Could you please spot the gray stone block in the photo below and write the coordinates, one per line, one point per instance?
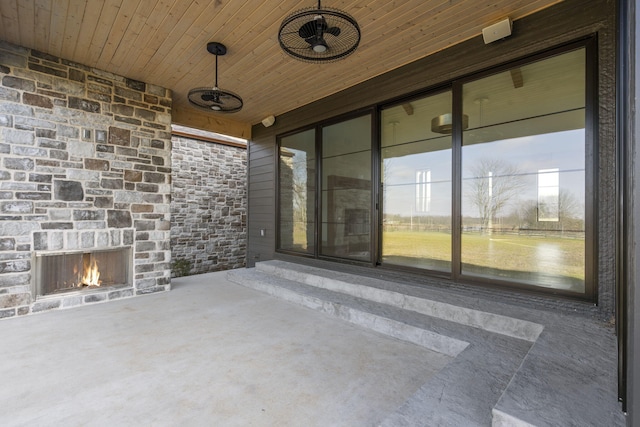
(87, 239)
(9, 280)
(29, 151)
(4, 314)
(71, 301)
(9, 95)
(37, 100)
(102, 239)
(112, 184)
(14, 207)
(19, 163)
(18, 83)
(48, 70)
(68, 190)
(45, 305)
(84, 104)
(32, 196)
(128, 93)
(88, 215)
(7, 244)
(118, 219)
(95, 298)
(57, 225)
(119, 136)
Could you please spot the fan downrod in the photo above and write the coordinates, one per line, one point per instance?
(214, 98)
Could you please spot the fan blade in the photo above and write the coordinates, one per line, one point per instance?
(313, 28)
(335, 31)
(211, 97)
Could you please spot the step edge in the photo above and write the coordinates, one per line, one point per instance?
(495, 323)
(424, 338)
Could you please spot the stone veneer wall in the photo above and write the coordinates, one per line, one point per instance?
(84, 164)
(209, 206)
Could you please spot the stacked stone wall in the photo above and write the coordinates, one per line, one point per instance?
(209, 205)
(84, 164)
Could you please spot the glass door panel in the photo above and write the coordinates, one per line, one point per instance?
(416, 183)
(523, 174)
(346, 189)
(297, 181)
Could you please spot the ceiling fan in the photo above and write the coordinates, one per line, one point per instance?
(213, 98)
(319, 35)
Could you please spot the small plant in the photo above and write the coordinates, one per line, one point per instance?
(181, 267)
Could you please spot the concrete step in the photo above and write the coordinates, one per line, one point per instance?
(511, 365)
(386, 320)
(402, 296)
(465, 334)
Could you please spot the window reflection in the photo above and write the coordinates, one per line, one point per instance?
(297, 192)
(416, 177)
(346, 189)
(523, 173)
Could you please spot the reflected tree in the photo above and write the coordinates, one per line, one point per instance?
(492, 185)
(570, 214)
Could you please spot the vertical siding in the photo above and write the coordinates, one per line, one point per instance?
(261, 210)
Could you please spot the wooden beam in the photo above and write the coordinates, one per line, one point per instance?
(516, 77)
(193, 118)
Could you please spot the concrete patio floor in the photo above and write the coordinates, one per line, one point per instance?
(208, 353)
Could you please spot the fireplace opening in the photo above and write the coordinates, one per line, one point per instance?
(76, 271)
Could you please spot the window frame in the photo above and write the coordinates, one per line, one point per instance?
(589, 43)
(591, 170)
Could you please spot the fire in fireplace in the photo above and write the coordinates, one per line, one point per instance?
(74, 271)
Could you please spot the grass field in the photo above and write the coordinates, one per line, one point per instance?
(553, 262)
(549, 261)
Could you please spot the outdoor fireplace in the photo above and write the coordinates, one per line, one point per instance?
(61, 272)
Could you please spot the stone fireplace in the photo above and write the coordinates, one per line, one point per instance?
(85, 177)
(81, 271)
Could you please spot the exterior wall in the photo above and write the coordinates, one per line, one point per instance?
(262, 170)
(84, 164)
(565, 22)
(208, 207)
(630, 13)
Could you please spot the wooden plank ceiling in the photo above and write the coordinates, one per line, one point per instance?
(164, 42)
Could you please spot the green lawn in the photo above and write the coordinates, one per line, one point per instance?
(547, 261)
(550, 261)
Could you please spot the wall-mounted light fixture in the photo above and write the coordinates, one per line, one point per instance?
(268, 121)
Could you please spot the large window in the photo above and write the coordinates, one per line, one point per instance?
(523, 174)
(488, 179)
(416, 182)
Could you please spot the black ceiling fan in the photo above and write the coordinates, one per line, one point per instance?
(319, 35)
(214, 98)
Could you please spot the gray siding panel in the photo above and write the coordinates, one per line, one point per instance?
(261, 188)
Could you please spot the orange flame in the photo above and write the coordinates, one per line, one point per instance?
(91, 275)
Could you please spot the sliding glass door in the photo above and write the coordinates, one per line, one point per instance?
(346, 189)
(523, 174)
(416, 182)
(486, 180)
